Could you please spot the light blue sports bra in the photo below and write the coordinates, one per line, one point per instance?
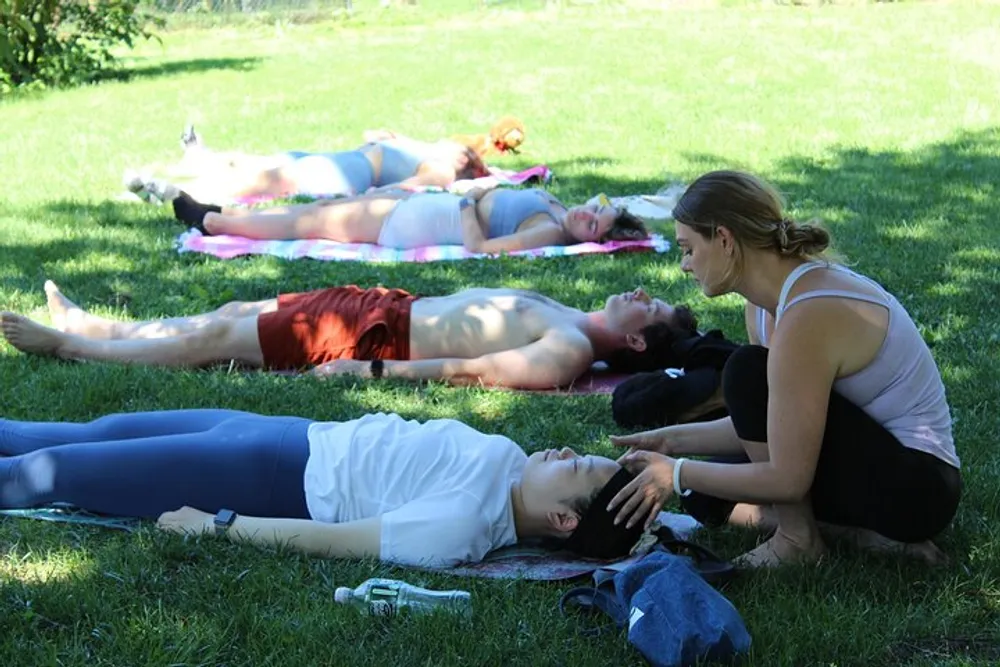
(512, 207)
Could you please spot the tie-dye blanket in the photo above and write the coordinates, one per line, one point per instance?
(227, 247)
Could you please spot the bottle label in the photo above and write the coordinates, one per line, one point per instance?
(382, 601)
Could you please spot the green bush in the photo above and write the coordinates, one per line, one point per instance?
(66, 42)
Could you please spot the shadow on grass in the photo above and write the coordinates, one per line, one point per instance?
(193, 66)
(923, 223)
(577, 179)
(944, 648)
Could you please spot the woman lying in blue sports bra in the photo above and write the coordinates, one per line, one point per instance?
(488, 221)
(387, 160)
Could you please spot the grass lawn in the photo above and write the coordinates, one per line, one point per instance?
(881, 120)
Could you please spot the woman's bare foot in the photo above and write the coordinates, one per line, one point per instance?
(783, 550)
(30, 337)
(760, 517)
(869, 540)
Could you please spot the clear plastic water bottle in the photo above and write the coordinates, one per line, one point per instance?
(388, 597)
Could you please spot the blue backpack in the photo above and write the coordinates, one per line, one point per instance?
(673, 614)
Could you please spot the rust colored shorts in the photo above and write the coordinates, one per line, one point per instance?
(312, 328)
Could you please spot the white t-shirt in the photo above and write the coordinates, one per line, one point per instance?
(442, 488)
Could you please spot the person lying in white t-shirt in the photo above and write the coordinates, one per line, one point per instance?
(433, 494)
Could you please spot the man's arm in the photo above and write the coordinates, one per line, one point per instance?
(352, 539)
(555, 360)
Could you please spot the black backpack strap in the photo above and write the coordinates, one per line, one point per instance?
(713, 568)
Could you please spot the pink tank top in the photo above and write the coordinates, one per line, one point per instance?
(901, 388)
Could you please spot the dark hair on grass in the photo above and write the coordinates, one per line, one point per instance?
(660, 343)
(627, 227)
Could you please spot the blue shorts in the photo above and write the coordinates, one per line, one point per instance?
(345, 173)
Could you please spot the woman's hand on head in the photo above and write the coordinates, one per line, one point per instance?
(186, 521)
(642, 499)
(656, 440)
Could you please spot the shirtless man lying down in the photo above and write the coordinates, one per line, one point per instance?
(496, 336)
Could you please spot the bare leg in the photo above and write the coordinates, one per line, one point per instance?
(223, 340)
(797, 538)
(220, 173)
(68, 317)
(243, 212)
(355, 220)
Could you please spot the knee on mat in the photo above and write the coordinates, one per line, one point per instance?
(744, 378)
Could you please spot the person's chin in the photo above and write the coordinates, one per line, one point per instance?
(711, 291)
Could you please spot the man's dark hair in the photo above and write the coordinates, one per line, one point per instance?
(596, 534)
(661, 339)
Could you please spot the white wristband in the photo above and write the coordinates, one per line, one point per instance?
(677, 479)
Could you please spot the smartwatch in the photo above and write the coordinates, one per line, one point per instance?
(223, 520)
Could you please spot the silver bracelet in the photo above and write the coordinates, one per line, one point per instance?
(677, 479)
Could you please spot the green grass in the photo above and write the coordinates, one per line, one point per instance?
(881, 120)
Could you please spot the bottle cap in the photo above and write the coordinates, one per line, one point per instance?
(342, 594)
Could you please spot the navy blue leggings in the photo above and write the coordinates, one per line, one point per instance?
(145, 463)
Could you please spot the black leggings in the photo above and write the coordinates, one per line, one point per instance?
(865, 477)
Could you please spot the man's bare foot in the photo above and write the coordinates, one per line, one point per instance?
(869, 540)
(29, 336)
(66, 315)
(782, 550)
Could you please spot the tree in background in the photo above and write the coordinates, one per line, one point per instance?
(66, 42)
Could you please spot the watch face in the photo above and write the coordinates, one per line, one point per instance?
(225, 518)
